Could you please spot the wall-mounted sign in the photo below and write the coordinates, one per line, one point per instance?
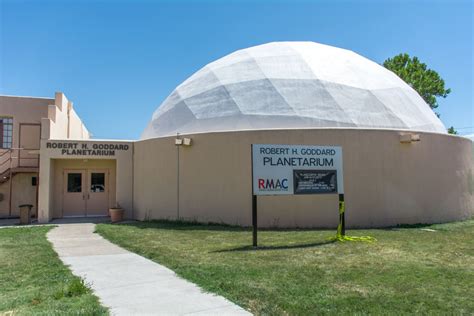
(300, 169)
(87, 149)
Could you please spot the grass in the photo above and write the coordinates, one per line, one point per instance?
(33, 279)
(408, 270)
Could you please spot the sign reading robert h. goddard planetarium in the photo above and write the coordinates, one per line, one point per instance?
(287, 170)
(87, 148)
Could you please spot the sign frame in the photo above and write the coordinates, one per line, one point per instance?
(331, 161)
(273, 166)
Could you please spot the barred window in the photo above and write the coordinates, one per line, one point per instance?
(6, 132)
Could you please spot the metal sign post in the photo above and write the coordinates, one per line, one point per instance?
(254, 205)
(341, 228)
(254, 220)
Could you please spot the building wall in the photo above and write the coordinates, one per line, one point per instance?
(23, 192)
(54, 160)
(59, 119)
(386, 182)
(33, 119)
(61, 164)
(77, 130)
(62, 121)
(23, 110)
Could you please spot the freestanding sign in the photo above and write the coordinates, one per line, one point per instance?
(296, 169)
(288, 169)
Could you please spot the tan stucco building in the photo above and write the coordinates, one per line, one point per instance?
(388, 181)
(194, 162)
(24, 122)
(48, 159)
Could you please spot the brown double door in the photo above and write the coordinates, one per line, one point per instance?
(85, 192)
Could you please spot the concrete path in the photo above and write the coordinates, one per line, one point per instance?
(129, 284)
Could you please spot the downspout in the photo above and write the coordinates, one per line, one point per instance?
(133, 180)
(177, 179)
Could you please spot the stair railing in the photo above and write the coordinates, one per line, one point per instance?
(7, 164)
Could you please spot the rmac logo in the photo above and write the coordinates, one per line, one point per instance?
(273, 184)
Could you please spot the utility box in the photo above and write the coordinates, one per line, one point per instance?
(25, 214)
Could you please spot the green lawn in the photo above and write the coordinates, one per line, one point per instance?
(408, 270)
(33, 279)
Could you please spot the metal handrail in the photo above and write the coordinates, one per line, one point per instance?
(1, 164)
(19, 159)
(7, 150)
(11, 168)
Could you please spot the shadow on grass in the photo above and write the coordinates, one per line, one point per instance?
(406, 226)
(192, 225)
(282, 247)
(181, 225)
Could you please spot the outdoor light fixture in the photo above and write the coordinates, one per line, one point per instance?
(183, 141)
(409, 138)
(187, 141)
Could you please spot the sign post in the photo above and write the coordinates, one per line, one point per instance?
(294, 170)
(341, 228)
(254, 220)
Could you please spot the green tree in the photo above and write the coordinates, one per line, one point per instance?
(451, 130)
(425, 81)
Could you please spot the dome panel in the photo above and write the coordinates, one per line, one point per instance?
(213, 103)
(206, 81)
(291, 85)
(298, 93)
(259, 97)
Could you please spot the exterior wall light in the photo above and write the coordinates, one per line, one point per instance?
(415, 137)
(408, 138)
(183, 141)
(187, 141)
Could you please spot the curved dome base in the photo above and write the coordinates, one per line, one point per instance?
(386, 182)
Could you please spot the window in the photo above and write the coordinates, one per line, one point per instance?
(97, 182)
(6, 132)
(74, 182)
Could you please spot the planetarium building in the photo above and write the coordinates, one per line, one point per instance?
(194, 159)
(400, 166)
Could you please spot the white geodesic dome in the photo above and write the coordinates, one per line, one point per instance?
(291, 85)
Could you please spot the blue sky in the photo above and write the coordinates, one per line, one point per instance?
(118, 60)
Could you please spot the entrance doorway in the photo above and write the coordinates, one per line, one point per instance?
(85, 192)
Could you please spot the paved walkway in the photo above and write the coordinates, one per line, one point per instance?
(129, 284)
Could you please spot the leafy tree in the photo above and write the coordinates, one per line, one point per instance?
(425, 81)
(451, 130)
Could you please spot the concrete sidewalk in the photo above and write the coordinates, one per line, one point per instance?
(129, 284)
